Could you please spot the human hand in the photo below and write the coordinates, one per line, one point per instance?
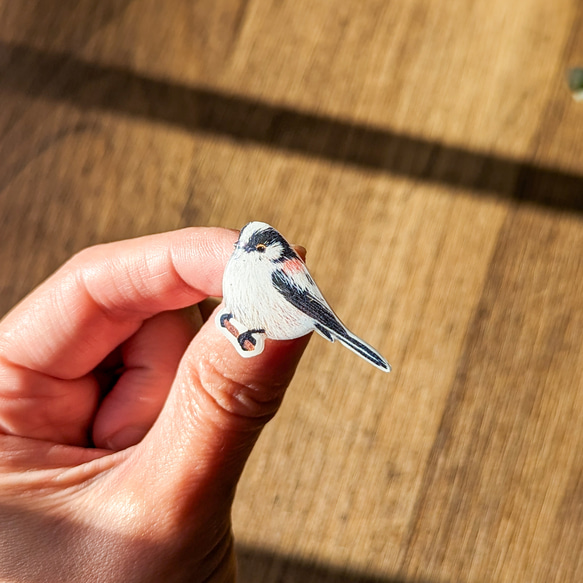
(125, 422)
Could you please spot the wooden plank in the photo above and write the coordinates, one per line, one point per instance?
(509, 433)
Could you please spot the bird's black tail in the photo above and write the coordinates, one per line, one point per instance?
(357, 346)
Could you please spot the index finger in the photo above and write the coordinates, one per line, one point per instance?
(99, 298)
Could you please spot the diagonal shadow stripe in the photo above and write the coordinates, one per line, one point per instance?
(91, 86)
(256, 564)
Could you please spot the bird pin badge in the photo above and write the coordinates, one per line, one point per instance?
(268, 292)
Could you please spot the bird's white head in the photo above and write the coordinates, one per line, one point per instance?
(264, 243)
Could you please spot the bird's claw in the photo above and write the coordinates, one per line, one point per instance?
(248, 343)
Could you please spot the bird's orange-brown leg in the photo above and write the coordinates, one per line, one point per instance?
(247, 341)
(225, 323)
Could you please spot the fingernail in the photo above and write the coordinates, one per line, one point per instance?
(301, 251)
(125, 438)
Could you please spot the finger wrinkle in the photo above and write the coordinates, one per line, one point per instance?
(243, 399)
(20, 376)
(175, 273)
(225, 417)
(121, 304)
(213, 247)
(111, 314)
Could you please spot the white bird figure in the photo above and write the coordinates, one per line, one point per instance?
(268, 292)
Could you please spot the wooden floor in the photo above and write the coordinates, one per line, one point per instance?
(429, 156)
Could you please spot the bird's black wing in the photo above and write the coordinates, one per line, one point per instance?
(308, 303)
(325, 321)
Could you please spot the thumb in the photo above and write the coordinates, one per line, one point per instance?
(216, 409)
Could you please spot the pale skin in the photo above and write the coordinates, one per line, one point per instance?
(125, 421)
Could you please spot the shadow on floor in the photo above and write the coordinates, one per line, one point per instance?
(260, 566)
(89, 86)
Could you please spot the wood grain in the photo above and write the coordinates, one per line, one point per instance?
(430, 158)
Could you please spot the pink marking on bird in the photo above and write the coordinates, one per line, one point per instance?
(292, 266)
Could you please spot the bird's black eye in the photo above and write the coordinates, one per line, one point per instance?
(260, 248)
